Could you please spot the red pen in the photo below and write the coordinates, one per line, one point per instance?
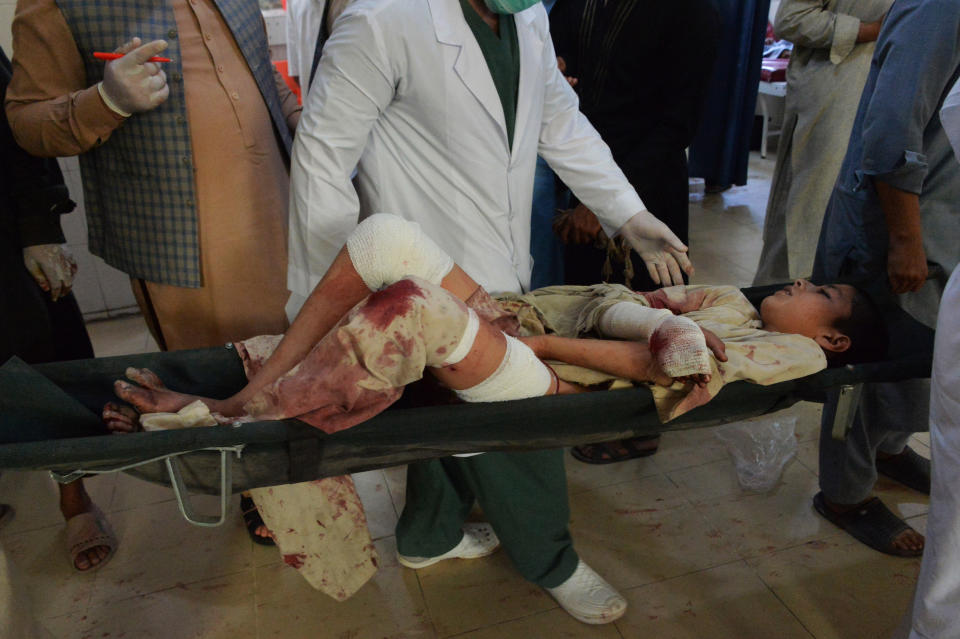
(100, 55)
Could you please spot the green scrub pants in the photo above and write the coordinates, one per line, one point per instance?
(523, 495)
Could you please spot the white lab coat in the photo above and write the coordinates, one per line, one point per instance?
(936, 605)
(303, 26)
(403, 89)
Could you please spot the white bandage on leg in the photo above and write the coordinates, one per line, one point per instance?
(520, 375)
(385, 248)
(676, 341)
(466, 341)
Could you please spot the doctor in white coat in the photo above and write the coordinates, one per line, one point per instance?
(405, 92)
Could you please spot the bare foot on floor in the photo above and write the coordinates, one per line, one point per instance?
(74, 501)
(91, 557)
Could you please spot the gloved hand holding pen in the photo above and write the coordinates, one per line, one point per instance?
(52, 266)
(133, 84)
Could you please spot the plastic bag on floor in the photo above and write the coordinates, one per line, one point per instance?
(760, 450)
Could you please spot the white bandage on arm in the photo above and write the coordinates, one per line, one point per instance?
(519, 376)
(466, 340)
(676, 341)
(385, 248)
(626, 320)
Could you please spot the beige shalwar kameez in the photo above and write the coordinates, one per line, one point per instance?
(753, 354)
(242, 182)
(824, 81)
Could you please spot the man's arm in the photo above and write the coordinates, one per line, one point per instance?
(288, 101)
(353, 85)
(808, 23)
(575, 151)
(906, 258)
(52, 109)
(37, 196)
(918, 53)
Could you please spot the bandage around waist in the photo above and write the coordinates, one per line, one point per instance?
(520, 375)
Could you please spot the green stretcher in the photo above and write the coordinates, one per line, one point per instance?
(51, 414)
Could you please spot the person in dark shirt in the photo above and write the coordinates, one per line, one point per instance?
(641, 70)
(40, 320)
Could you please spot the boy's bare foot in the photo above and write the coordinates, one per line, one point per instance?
(148, 394)
(120, 419)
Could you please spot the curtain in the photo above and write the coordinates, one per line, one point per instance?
(720, 150)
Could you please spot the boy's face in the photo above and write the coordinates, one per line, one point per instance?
(806, 309)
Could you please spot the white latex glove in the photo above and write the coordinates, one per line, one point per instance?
(52, 266)
(661, 251)
(131, 84)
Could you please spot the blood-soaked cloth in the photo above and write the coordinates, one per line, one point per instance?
(321, 531)
(356, 371)
(361, 366)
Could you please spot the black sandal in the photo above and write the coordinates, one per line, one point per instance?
(909, 468)
(252, 520)
(871, 523)
(609, 453)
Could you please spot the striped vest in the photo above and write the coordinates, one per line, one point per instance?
(138, 187)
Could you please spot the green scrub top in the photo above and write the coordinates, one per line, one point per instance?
(502, 54)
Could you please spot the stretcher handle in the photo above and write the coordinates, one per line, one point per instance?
(183, 496)
(847, 403)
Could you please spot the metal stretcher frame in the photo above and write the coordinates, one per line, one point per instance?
(223, 460)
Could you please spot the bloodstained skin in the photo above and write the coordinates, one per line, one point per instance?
(294, 560)
(383, 306)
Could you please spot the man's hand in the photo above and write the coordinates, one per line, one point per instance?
(906, 264)
(579, 226)
(563, 69)
(906, 259)
(869, 31)
(132, 84)
(52, 266)
(664, 255)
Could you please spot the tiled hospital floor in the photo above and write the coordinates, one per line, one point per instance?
(694, 555)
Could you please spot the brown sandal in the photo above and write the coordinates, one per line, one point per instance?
(89, 530)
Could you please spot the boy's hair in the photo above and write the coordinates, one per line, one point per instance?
(865, 328)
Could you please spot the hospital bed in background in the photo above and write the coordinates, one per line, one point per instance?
(44, 402)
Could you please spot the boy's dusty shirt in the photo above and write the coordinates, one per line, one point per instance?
(753, 354)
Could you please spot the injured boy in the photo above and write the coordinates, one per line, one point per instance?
(393, 304)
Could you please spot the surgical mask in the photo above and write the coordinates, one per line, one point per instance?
(509, 6)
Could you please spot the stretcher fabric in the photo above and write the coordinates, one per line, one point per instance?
(289, 451)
